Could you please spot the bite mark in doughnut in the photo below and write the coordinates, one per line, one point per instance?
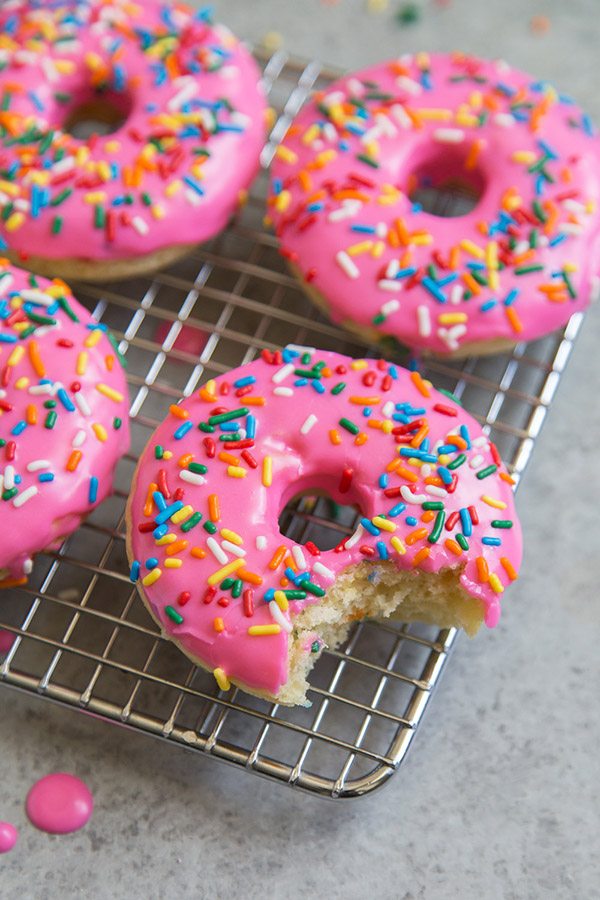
(63, 416)
(191, 109)
(438, 539)
(514, 268)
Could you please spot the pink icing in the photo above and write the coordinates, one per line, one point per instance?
(341, 207)
(53, 476)
(298, 430)
(7, 639)
(59, 804)
(165, 68)
(8, 837)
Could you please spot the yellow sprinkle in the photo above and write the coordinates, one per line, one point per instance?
(151, 577)
(264, 629)
(100, 432)
(104, 170)
(452, 318)
(287, 155)
(378, 248)
(158, 211)
(226, 570)
(16, 356)
(82, 361)
(232, 536)
(173, 188)
(307, 138)
(109, 392)
(281, 600)
(166, 539)
(184, 513)
(14, 221)
(356, 249)
(491, 255)
(221, 679)
(527, 157)
(7, 187)
(22, 383)
(472, 248)
(359, 364)
(93, 197)
(282, 201)
(93, 338)
(236, 471)
(398, 545)
(383, 524)
(491, 501)
(173, 563)
(496, 584)
(267, 471)
(167, 454)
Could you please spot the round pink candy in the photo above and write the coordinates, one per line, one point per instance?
(8, 837)
(59, 804)
(7, 639)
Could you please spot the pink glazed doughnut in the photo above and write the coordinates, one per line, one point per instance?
(513, 269)
(189, 111)
(438, 539)
(63, 417)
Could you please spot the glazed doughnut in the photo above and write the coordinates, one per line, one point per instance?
(63, 416)
(347, 176)
(438, 539)
(188, 108)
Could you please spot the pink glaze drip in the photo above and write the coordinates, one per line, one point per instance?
(59, 804)
(341, 207)
(294, 429)
(8, 837)
(183, 82)
(69, 369)
(7, 639)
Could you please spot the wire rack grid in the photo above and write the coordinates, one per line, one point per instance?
(83, 636)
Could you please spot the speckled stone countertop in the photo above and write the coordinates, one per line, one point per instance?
(499, 798)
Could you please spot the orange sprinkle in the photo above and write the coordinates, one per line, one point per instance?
(197, 552)
(229, 458)
(184, 461)
(35, 358)
(214, 508)
(361, 439)
(506, 477)
(149, 504)
(473, 154)
(365, 401)
(178, 411)
(254, 401)
(175, 547)
(453, 547)
(250, 577)
(110, 362)
(420, 385)
(428, 516)
(218, 624)
(509, 568)
(407, 474)
(470, 282)
(457, 441)
(278, 557)
(483, 572)
(421, 555)
(31, 414)
(417, 535)
(74, 460)
(335, 437)
(513, 318)
(420, 435)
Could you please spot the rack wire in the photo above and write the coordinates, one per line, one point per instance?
(83, 636)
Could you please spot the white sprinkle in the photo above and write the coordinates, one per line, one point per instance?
(575, 206)
(390, 307)
(505, 120)
(21, 499)
(217, 551)
(355, 87)
(449, 135)
(457, 331)
(480, 441)
(425, 470)
(40, 389)
(476, 461)
(38, 464)
(283, 392)
(79, 438)
(309, 423)
(333, 98)
(279, 617)
(409, 85)
(328, 131)
(571, 228)
(9, 478)
(381, 230)
(424, 320)
(28, 566)
(5, 283)
(450, 342)
(192, 197)
(435, 491)
(63, 165)
(401, 116)
(233, 548)
(388, 409)
(298, 348)
(354, 538)
(386, 126)
(140, 226)
(282, 373)
(48, 66)
(408, 495)
(33, 296)
(298, 555)
(82, 403)
(456, 293)
(521, 247)
(393, 268)
(322, 570)
(186, 93)
(261, 542)
(192, 477)
(347, 210)
(388, 284)
(347, 264)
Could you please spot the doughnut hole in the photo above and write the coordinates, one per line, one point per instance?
(445, 183)
(314, 516)
(102, 113)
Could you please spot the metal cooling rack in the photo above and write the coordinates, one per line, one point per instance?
(84, 636)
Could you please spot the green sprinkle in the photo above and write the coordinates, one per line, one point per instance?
(339, 387)
(437, 527)
(457, 462)
(27, 332)
(368, 160)
(539, 211)
(307, 373)
(295, 595)
(525, 270)
(230, 438)
(227, 583)
(462, 541)
(9, 494)
(349, 426)
(209, 526)
(117, 422)
(502, 523)
(50, 420)
(208, 429)
(569, 284)
(57, 224)
(159, 451)
(489, 470)
(60, 198)
(198, 468)
(433, 504)
(313, 588)
(379, 319)
(50, 404)
(305, 359)
(99, 217)
(228, 416)
(451, 395)
(236, 590)
(191, 522)
(146, 199)
(315, 647)
(67, 309)
(174, 615)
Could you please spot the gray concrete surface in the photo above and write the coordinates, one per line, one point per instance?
(499, 798)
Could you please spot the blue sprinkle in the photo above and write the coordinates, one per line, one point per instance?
(466, 523)
(587, 125)
(65, 400)
(406, 273)
(396, 510)
(368, 525)
(151, 562)
(489, 304)
(229, 426)
(19, 428)
(317, 386)
(367, 411)
(251, 427)
(301, 382)
(48, 476)
(363, 229)
(277, 186)
(166, 514)
(93, 491)
(464, 433)
(491, 541)
(448, 279)
(269, 595)
(289, 573)
(160, 532)
(447, 448)
(512, 295)
(159, 500)
(382, 550)
(558, 239)
(445, 474)
(384, 480)
(7, 338)
(182, 430)
(393, 372)
(547, 149)
(195, 185)
(410, 520)
(134, 572)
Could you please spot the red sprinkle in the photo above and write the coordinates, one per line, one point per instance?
(473, 514)
(209, 594)
(210, 447)
(184, 598)
(367, 551)
(144, 527)
(495, 454)
(10, 450)
(452, 520)
(445, 410)
(346, 480)
(161, 482)
(248, 602)
(248, 458)
(312, 548)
